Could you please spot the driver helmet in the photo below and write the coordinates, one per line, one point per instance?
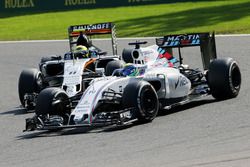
(130, 70)
(83, 40)
(81, 52)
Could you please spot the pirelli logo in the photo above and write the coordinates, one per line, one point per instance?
(19, 4)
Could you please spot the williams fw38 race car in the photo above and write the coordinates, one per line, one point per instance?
(152, 80)
(73, 71)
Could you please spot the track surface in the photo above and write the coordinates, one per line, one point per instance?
(206, 133)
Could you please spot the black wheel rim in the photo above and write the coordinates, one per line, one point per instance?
(148, 101)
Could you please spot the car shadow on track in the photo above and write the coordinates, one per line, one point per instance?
(187, 106)
(73, 131)
(17, 111)
(54, 133)
(109, 129)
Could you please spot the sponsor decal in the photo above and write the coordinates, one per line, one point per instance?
(85, 102)
(147, 53)
(19, 4)
(160, 41)
(192, 39)
(83, 107)
(79, 2)
(160, 63)
(182, 81)
(92, 91)
(176, 84)
(71, 90)
(91, 27)
(126, 115)
(120, 89)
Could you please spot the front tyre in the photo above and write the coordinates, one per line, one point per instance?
(224, 78)
(52, 101)
(141, 96)
(30, 82)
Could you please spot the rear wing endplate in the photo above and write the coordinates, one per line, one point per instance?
(206, 41)
(90, 30)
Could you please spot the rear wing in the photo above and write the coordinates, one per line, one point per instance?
(206, 41)
(90, 30)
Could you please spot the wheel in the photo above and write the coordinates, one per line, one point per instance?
(141, 96)
(224, 78)
(52, 101)
(112, 66)
(30, 81)
(127, 56)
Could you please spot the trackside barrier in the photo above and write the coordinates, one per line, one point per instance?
(32, 6)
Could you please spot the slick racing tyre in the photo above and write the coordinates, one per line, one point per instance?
(127, 55)
(141, 96)
(112, 66)
(52, 101)
(30, 81)
(224, 78)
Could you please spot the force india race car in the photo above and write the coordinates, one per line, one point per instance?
(158, 81)
(68, 72)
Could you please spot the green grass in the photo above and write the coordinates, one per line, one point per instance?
(225, 16)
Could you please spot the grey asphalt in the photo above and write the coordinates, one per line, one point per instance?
(207, 133)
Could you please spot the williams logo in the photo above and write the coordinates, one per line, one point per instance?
(182, 81)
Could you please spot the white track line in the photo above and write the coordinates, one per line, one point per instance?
(143, 38)
(233, 35)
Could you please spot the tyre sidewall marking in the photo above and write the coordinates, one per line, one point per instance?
(232, 88)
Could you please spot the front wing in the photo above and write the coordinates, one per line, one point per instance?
(122, 117)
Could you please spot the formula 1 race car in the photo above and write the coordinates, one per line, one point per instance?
(68, 72)
(154, 80)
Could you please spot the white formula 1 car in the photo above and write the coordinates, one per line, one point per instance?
(155, 80)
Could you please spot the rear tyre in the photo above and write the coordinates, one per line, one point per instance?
(141, 96)
(127, 56)
(112, 66)
(30, 81)
(224, 78)
(52, 101)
